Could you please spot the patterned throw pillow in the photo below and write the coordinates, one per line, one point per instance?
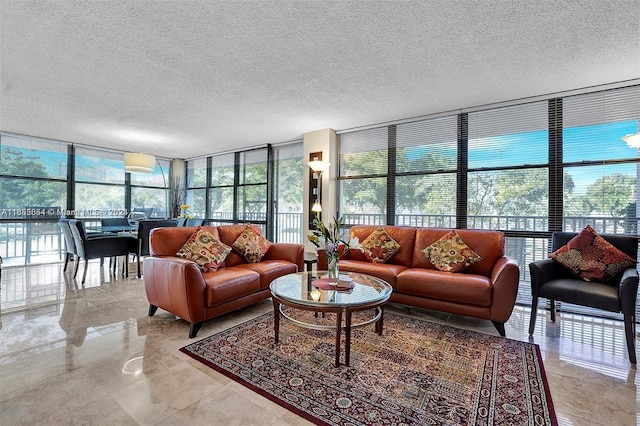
(204, 249)
(379, 246)
(451, 254)
(591, 257)
(251, 244)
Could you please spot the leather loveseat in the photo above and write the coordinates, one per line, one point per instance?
(486, 289)
(178, 285)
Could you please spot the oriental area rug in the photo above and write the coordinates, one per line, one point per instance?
(417, 372)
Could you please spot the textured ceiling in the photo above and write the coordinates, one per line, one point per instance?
(182, 79)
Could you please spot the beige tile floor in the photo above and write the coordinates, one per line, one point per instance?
(73, 354)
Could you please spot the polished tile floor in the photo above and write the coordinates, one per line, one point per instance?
(89, 354)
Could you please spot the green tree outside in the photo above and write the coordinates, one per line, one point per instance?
(22, 192)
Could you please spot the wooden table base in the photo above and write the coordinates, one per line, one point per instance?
(338, 310)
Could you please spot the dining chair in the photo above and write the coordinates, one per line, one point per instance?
(98, 247)
(140, 246)
(69, 245)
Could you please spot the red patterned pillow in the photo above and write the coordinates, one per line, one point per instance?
(591, 257)
(379, 246)
(204, 249)
(251, 244)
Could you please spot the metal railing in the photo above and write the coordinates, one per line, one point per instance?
(24, 243)
(27, 242)
(602, 224)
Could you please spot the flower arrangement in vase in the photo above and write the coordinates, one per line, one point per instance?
(185, 212)
(330, 239)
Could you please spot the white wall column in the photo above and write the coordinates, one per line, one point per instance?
(324, 141)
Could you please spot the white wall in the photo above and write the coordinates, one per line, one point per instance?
(324, 141)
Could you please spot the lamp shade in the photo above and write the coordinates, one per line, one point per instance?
(632, 140)
(317, 207)
(139, 162)
(319, 166)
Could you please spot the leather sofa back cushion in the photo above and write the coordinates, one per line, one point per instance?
(168, 241)
(228, 235)
(251, 244)
(488, 244)
(403, 236)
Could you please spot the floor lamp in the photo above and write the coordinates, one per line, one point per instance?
(138, 162)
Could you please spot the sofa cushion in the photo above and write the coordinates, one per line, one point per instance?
(451, 254)
(384, 271)
(487, 244)
(269, 270)
(251, 244)
(466, 289)
(379, 246)
(205, 250)
(404, 236)
(227, 284)
(591, 257)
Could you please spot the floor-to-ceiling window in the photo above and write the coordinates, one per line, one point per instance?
(251, 188)
(149, 191)
(288, 200)
(426, 160)
(262, 186)
(33, 194)
(196, 184)
(42, 180)
(600, 170)
(508, 180)
(363, 176)
(99, 184)
(526, 169)
(220, 188)
(237, 188)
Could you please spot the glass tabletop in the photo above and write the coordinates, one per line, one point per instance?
(300, 288)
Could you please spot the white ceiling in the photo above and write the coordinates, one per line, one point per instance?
(181, 79)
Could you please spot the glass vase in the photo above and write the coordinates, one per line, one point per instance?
(332, 266)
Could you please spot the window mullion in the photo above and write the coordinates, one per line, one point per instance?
(391, 176)
(463, 170)
(556, 172)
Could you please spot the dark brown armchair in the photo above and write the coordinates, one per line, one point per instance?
(554, 282)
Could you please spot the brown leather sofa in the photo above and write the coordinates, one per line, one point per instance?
(484, 290)
(178, 286)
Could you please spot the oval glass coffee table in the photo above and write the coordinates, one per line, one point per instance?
(308, 291)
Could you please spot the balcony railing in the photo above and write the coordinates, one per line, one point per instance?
(602, 224)
(23, 243)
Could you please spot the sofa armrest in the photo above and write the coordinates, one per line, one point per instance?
(293, 253)
(628, 291)
(176, 285)
(505, 278)
(322, 260)
(541, 271)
